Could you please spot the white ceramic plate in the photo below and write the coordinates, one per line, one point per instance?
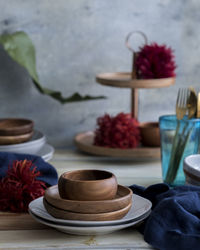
(46, 152)
(139, 209)
(30, 147)
(88, 230)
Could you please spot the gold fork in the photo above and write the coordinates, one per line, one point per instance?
(181, 103)
(181, 110)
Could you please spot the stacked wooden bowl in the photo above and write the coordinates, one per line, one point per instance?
(88, 195)
(14, 131)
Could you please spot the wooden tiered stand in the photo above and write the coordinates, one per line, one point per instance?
(84, 141)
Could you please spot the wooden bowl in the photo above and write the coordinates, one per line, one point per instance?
(15, 126)
(150, 134)
(15, 139)
(66, 215)
(122, 199)
(88, 185)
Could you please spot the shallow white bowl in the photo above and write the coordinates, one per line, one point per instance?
(46, 152)
(191, 167)
(32, 146)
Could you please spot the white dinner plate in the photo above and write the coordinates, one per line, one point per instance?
(89, 230)
(32, 146)
(46, 152)
(140, 207)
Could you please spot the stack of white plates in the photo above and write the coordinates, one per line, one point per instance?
(36, 146)
(191, 167)
(140, 210)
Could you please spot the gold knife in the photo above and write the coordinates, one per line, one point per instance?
(192, 104)
(198, 106)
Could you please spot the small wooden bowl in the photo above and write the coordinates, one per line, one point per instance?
(66, 215)
(150, 134)
(122, 199)
(15, 126)
(15, 139)
(88, 185)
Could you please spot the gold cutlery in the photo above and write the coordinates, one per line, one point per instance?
(192, 103)
(198, 106)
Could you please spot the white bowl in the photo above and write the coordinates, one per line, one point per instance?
(191, 167)
(32, 146)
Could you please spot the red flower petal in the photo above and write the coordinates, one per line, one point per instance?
(155, 61)
(19, 187)
(120, 131)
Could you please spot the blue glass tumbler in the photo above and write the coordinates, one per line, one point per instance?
(168, 124)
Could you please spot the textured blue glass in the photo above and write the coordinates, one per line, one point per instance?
(167, 131)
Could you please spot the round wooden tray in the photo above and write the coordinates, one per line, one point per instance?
(123, 80)
(84, 142)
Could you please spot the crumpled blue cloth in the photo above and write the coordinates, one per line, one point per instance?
(174, 223)
(48, 172)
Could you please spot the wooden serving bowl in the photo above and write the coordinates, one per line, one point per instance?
(121, 200)
(88, 185)
(67, 215)
(15, 139)
(15, 126)
(150, 134)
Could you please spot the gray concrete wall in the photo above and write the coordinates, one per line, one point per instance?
(75, 40)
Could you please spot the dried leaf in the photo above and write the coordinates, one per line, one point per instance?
(21, 49)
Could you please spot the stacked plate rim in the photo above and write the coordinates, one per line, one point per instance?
(140, 210)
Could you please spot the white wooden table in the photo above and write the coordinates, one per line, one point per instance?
(127, 171)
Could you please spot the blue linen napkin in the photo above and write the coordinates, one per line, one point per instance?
(48, 172)
(174, 223)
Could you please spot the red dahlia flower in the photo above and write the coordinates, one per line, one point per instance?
(120, 131)
(19, 187)
(155, 61)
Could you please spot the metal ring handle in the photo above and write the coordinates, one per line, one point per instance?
(130, 34)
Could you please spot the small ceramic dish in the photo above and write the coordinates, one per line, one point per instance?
(150, 134)
(88, 185)
(122, 199)
(67, 215)
(15, 139)
(15, 126)
(191, 168)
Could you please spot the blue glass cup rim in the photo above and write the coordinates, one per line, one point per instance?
(170, 118)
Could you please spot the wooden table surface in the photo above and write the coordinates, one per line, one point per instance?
(14, 236)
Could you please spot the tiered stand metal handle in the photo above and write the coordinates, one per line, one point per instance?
(134, 91)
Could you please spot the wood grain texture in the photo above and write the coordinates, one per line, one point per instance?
(134, 91)
(87, 185)
(50, 239)
(124, 80)
(150, 134)
(123, 198)
(67, 215)
(15, 139)
(84, 142)
(18, 221)
(15, 126)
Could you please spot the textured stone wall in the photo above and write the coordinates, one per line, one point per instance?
(75, 40)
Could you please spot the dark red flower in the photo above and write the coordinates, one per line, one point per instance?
(19, 187)
(120, 131)
(155, 61)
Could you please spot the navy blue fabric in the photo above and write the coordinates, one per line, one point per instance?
(174, 223)
(48, 172)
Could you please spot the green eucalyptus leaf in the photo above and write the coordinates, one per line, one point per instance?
(21, 49)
